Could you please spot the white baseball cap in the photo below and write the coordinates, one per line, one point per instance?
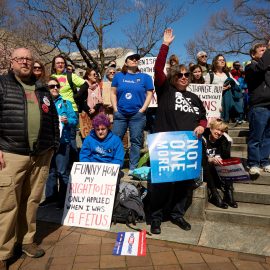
(135, 55)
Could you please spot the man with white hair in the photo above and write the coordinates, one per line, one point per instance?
(202, 61)
(29, 135)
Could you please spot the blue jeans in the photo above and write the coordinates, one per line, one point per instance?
(58, 170)
(136, 124)
(259, 137)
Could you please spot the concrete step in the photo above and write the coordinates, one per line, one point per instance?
(247, 213)
(238, 132)
(252, 193)
(239, 147)
(240, 140)
(242, 126)
(263, 179)
(240, 154)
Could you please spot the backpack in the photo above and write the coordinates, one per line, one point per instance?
(128, 206)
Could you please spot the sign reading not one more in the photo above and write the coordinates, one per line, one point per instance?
(90, 195)
(174, 156)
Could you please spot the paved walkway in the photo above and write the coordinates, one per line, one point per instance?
(70, 248)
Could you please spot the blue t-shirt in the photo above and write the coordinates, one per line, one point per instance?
(131, 91)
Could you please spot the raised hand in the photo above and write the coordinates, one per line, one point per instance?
(168, 36)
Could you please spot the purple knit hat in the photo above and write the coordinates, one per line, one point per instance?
(101, 119)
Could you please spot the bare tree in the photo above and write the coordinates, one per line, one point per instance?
(231, 32)
(154, 16)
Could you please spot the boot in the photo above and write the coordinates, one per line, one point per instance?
(228, 196)
(216, 200)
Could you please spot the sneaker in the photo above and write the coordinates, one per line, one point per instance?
(33, 250)
(266, 168)
(254, 171)
(3, 265)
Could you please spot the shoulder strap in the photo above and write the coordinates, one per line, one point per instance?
(211, 73)
(70, 82)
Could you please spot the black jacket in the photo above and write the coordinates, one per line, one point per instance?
(258, 80)
(13, 118)
(221, 147)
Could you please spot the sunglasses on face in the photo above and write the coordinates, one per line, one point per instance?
(38, 68)
(204, 56)
(132, 58)
(180, 75)
(112, 72)
(52, 86)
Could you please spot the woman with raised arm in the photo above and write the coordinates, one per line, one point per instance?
(171, 91)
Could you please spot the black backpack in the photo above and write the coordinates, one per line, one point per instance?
(128, 205)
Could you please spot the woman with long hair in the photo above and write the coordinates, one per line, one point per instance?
(220, 75)
(196, 74)
(131, 93)
(89, 98)
(39, 70)
(174, 198)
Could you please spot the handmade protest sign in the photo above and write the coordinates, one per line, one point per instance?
(130, 244)
(232, 169)
(210, 95)
(146, 65)
(90, 195)
(174, 156)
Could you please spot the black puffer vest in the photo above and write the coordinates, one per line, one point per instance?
(13, 118)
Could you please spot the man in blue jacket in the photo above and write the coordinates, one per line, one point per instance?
(258, 81)
(101, 145)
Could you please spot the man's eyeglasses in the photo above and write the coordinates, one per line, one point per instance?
(21, 60)
(52, 86)
(203, 56)
(180, 75)
(38, 68)
(112, 72)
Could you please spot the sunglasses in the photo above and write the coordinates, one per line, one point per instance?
(111, 72)
(133, 58)
(203, 56)
(180, 75)
(39, 68)
(52, 86)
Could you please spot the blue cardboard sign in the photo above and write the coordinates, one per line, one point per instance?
(174, 156)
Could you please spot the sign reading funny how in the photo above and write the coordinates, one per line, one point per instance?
(90, 195)
(174, 156)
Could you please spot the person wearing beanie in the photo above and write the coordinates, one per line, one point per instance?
(202, 61)
(101, 145)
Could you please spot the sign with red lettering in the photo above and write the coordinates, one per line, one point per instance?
(210, 95)
(90, 195)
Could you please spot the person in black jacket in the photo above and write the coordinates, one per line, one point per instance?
(258, 82)
(216, 147)
(178, 110)
(29, 135)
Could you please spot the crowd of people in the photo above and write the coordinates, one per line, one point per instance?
(39, 122)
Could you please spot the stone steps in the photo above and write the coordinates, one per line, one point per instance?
(252, 193)
(239, 147)
(247, 214)
(238, 132)
(240, 140)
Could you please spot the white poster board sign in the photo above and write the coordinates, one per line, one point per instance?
(211, 96)
(90, 195)
(146, 65)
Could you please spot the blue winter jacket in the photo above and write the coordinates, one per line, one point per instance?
(108, 150)
(64, 107)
